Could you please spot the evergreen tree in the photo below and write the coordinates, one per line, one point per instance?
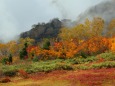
(23, 52)
(10, 58)
(46, 45)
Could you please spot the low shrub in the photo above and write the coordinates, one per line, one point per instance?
(71, 61)
(9, 73)
(81, 60)
(107, 64)
(5, 80)
(58, 64)
(64, 67)
(83, 55)
(9, 70)
(35, 59)
(83, 67)
(4, 61)
(108, 56)
(23, 73)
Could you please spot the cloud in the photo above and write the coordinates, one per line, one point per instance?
(8, 25)
(17, 16)
(61, 8)
(72, 8)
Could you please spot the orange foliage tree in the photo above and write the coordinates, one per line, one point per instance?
(33, 51)
(112, 44)
(94, 45)
(65, 49)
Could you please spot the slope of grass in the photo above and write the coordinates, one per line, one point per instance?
(83, 72)
(76, 63)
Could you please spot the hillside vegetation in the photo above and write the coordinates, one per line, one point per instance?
(86, 46)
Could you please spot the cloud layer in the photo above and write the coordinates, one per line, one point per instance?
(8, 24)
(17, 16)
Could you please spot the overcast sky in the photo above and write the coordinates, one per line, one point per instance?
(19, 15)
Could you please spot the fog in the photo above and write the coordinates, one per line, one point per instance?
(17, 16)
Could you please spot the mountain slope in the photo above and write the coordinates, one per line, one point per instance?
(43, 30)
(105, 10)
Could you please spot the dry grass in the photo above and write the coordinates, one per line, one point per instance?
(97, 77)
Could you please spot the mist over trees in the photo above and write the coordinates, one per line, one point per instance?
(42, 30)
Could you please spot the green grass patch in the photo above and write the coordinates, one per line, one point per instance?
(61, 64)
(42, 66)
(107, 64)
(108, 56)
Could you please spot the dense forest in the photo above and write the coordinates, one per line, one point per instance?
(89, 38)
(42, 30)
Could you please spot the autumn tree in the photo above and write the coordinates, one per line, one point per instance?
(3, 50)
(111, 28)
(12, 48)
(83, 31)
(93, 46)
(112, 44)
(27, 40)
(97, 26)
(46, 44)
(33, 51)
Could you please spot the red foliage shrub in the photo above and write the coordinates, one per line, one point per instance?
(5, 80)
(23, 73)
(91, 77)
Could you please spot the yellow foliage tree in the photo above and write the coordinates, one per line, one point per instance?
(83, 31)
(111, 29)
